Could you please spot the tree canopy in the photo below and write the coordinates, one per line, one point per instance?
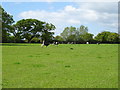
(27, 29)
(106, 36)
(69, 33)
(80, 34)
(7, 21)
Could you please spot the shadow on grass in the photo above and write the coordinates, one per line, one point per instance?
(17, 63)
(13, 44)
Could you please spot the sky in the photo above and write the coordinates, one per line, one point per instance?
(97, 16)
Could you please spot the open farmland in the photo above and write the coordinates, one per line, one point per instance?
(62, 66)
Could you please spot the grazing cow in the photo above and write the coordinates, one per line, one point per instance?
(45, 44)
(98, 43)
(72, 42)
(68, 43)
(87, 42)
(55, 43)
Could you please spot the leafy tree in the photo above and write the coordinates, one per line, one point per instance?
(76, 34)
(113, 37)
(82, 30)
(103, 36)
(7, 21)
(69, 33)
(87, 37)
(65, 34)
(82, 34)
(72, 38)
(47, 34)
(107, 37)
(27, 29)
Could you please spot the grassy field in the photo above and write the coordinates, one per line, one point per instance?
(84, 66)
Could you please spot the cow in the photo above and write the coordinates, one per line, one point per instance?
(55, 43)
(98, 43)
(45, 44)
(87, 42)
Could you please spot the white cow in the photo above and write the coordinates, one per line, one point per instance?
(55, 43)
(87, 42)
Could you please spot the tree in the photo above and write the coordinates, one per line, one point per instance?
(72, 38)
(47, 34)
(27, 29)
(7, 21)
(82, 30)
(82, 34)
(69, 33)
(107, 37)
(113, 37)
(87, 37)
(73, 34)
(102, 37)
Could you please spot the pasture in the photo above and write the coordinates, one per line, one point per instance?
(62, 66)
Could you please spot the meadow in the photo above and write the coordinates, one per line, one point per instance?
(62, 66)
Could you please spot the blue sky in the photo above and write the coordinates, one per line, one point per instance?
(15, 8)
(97, 16)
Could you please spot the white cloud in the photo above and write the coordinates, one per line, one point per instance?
(100, 7)
(70, 15)
(70, 8)
(72, 21)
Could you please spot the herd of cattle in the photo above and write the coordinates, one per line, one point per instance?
(56, 43)
(47, 43)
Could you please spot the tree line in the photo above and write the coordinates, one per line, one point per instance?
(35, 31)
(81, 35)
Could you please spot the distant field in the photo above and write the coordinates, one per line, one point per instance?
(82, 66)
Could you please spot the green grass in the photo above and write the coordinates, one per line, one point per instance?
(84, 66)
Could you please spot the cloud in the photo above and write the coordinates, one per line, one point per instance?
(100, 7)
(75, 16)
(69, 8)
(106, 17)
(72, 21)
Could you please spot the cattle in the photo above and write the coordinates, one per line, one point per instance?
(87, 42)
(45, 44)
(55, 43)
(72, 42)
(98, 43)
(68, 43)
